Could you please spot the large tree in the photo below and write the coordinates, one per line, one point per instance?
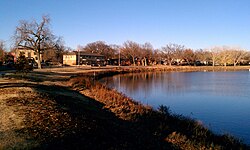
(224, 56)
(35, 36)
(189, 56)
(172, 51)
(130, 50)
(156, 56)
(215, 55)
(55, 54)
(237, 55)
(204, 56)
(146, 53)
(100, 47)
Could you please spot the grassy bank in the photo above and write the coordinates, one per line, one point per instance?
(166, 128)
(67, 109)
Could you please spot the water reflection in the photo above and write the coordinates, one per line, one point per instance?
(215, 83)
(219, 99)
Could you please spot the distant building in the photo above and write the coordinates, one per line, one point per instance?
(69, 59)
(82, 58)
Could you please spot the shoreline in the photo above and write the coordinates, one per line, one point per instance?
(101, 87)
(157, 128)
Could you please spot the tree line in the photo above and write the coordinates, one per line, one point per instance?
(39, 38)
(170, 54)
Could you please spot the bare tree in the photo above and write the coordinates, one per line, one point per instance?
(246, 58)
(100, 47)
(172, 51)
(35, 36)
(130, 50)
(117, 53)
(179, 52)
(146, 53)
(59, 49)
(224, 56)
(237, 55)
(55, 54)
(168, 53)
(156, 57)
(116, 49)
(203, 56)
(189, 56)
(215, 51)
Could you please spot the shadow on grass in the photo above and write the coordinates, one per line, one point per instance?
(39, 76)
(86, 126)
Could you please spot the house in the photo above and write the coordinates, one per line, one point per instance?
(30, 54)
(82, 58)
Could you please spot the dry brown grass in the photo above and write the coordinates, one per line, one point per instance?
(30, 117)
(12, 120)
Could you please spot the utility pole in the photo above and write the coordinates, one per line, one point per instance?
(119, 57)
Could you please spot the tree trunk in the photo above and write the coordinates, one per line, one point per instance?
(235, 62)
(146, 62)
(188, 62)
(142, 62)
(133, 61)
(39, 61)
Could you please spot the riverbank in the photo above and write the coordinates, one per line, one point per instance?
(67, 109)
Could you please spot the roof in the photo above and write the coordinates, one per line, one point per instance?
(70, 53)
(88, 54)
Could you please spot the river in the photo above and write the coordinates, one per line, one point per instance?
(220, 100)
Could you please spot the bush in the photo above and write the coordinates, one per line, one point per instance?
(22, 64)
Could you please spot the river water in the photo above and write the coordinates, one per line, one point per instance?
(220, 100)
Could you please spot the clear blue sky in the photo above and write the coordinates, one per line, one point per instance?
(193, 23)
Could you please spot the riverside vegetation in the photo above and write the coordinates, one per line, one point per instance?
(47, 110)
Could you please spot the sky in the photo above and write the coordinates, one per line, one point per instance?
(193, 23)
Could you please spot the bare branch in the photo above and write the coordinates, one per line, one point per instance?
(35, 36)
